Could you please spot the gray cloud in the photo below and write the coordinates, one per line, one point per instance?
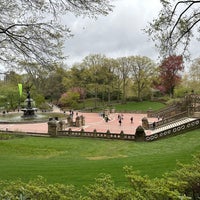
(116, 35)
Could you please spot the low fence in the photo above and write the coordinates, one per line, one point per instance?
(55, 130)
(171, 119)
(96, 134)
(195, 124)
(175, 130)
(167, 111)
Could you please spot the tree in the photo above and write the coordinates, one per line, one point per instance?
(9, 98)
(123, 71)
(104, 188)
(193, 80)
(194, 70)
(76, 76)
(37, 73)
(169, 73)
(189, 177)
(177, 23)
(96, 75)
(80, 91)
(143, 71)
(69, 99)
(31, 31)
(52, 86)
(12, 78)
(184, 87)
(110, 78)
(37, 188)
(146, 188)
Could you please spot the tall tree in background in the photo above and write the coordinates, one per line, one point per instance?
(194, 70)
(111, 79)
(30, 30)
(170, 73)
(77, 78)
(176, 24)
(95, 74)
(194, 76)
(37, 73)
(94, 64)
(123, 71)
(53, 85)
(143, 70)
(12, 78)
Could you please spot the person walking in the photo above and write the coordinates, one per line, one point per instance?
(106, 118)
(120, 122)
(131, 120)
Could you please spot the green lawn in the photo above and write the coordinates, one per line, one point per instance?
(129, 106)
(78, 161)
(139, 106)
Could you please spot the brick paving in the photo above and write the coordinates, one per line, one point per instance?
(92, 121)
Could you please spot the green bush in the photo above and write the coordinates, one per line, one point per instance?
(180, 184)
(37, 189)
(5, 136)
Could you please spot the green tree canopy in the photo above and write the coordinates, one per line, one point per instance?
(123, 72)
(170, 73)
(143, 72)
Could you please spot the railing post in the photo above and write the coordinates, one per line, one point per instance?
(149, 113)
(53, 126)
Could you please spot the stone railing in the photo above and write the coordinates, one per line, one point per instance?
(167, 111)
(95, 134)
(55, 129)
(174, 130)
(197, 109)
(165, 121)
(178, 129)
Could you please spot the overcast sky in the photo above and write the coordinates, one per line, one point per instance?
(116, 35)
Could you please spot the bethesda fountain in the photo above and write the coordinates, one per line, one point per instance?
(29, 110)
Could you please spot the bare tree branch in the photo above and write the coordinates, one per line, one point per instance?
(175, 26)
(180, 16)
(30, 29)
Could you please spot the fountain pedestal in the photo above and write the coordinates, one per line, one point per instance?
(29, 111)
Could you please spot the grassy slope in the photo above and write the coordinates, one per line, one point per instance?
(79, 161)
(139, 106)
(130, 106)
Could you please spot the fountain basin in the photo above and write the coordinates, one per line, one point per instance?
(29, 112)
(15, 118)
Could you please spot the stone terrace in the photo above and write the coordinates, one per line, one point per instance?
(92, 121)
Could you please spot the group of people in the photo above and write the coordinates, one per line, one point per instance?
(71, 113)
(121, 117)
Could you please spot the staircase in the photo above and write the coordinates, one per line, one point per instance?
(176, 127)
(176, 119)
